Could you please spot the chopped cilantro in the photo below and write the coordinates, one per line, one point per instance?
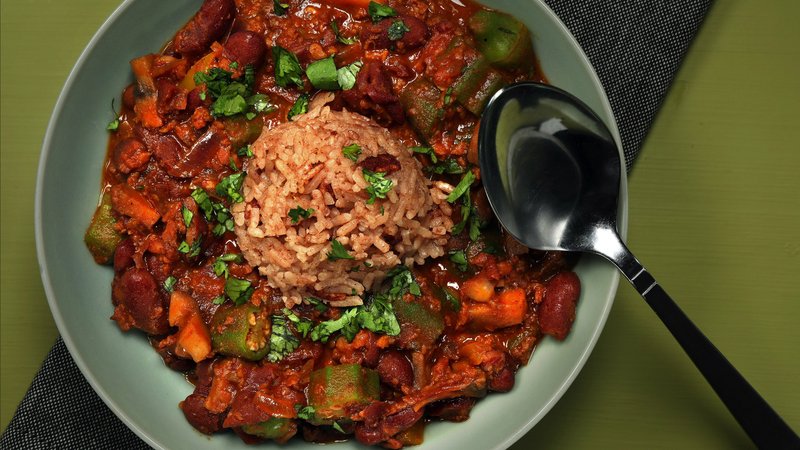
(287, 67)
(245, 152)
(379, 12)
(187, 216)
(317, 304)
(231, 257)
(346, 76)
(190, 251)
(282, 340)
(231, 187)
(460, 260)
(239, 291)
(232, 164)
(220, 268)
(338, 251)
(218, 300)
(397, 30)
(232, 96)
(345, 323)
(169, 283)
(352, 152)
(279, 8)
(339, 37)
(452, 299)
(305, 412)
(338, 427)
(448, 166)
(379, 185)
(322, 74)
(300, 106)
(260, 103)
(302, 324)
(113, 125)
(426, 151)
(298, 214)
(462, 187)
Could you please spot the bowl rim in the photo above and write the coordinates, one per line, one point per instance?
(107, 399)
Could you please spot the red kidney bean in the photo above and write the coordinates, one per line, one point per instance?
(384, 162)
(130, 155)
(246, 47)
(557, 310)
(207, 25)
(123, 255)
(139, 303)
(395, 370)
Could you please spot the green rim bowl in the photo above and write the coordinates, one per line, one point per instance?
(122, 367)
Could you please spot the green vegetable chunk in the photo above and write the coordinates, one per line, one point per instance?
(242, 331)
(421, 100)
(410, 312)
(333, 389)
(101, 238)
(477, 85)
(277, 428)
(504, 40)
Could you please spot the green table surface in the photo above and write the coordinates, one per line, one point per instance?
(714, 215)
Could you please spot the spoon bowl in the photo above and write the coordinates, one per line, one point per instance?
(551, 171)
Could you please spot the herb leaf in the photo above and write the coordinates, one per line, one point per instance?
(239, 291)
(462, 187)
(279, 8)
(305, 412)
(460, 260)
(298, 214)
(338, 427)
(287, 67)
(245, 152)
(190, 251)
(397, 30)
(187, 216)
(231, 187)
(426, 151)
(300, 106)
(282, 340)
(169, 283)
(379, 12)
(323, 75)
(338, 251)
(346, 76)
(379, 185)
(448, 166)
(352, 152)
(339, 37)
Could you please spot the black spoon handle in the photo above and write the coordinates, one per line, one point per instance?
(764, 426)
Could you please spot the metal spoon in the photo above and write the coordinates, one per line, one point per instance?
(551, 170)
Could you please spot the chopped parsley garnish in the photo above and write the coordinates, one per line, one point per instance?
(218, 300)
(245, 152)
(338, 251)
(339, 37)
(338, 427)
(114, 124)
(317, 304)
(379, 12)
(279, 8)
(397, 30)
(232, 96)
(302, 325)
(231, 257)
(213, 211)
(298, 214)
(187, 216)
(282, 340)
(352, 152)
(220, 265)
(231, 187)
(460, 260)
(169, 283)
(300, 106)
(346, 76)
(447, 166)
(239, 291)
(287, 67)
(462, 187)
(322, 74)
(426, 151)
(259, 103)
(452, 299)
(190, 250)
(232, 164)
(305, 412)
(379, 185)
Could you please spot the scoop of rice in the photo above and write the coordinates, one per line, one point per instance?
(300, 164)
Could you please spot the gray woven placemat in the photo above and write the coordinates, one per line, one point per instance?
(636, 47)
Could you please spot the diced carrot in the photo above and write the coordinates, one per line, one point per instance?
(181, 308)
(194, 340)
(202, 65)
(146, 107)
(478, 288)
